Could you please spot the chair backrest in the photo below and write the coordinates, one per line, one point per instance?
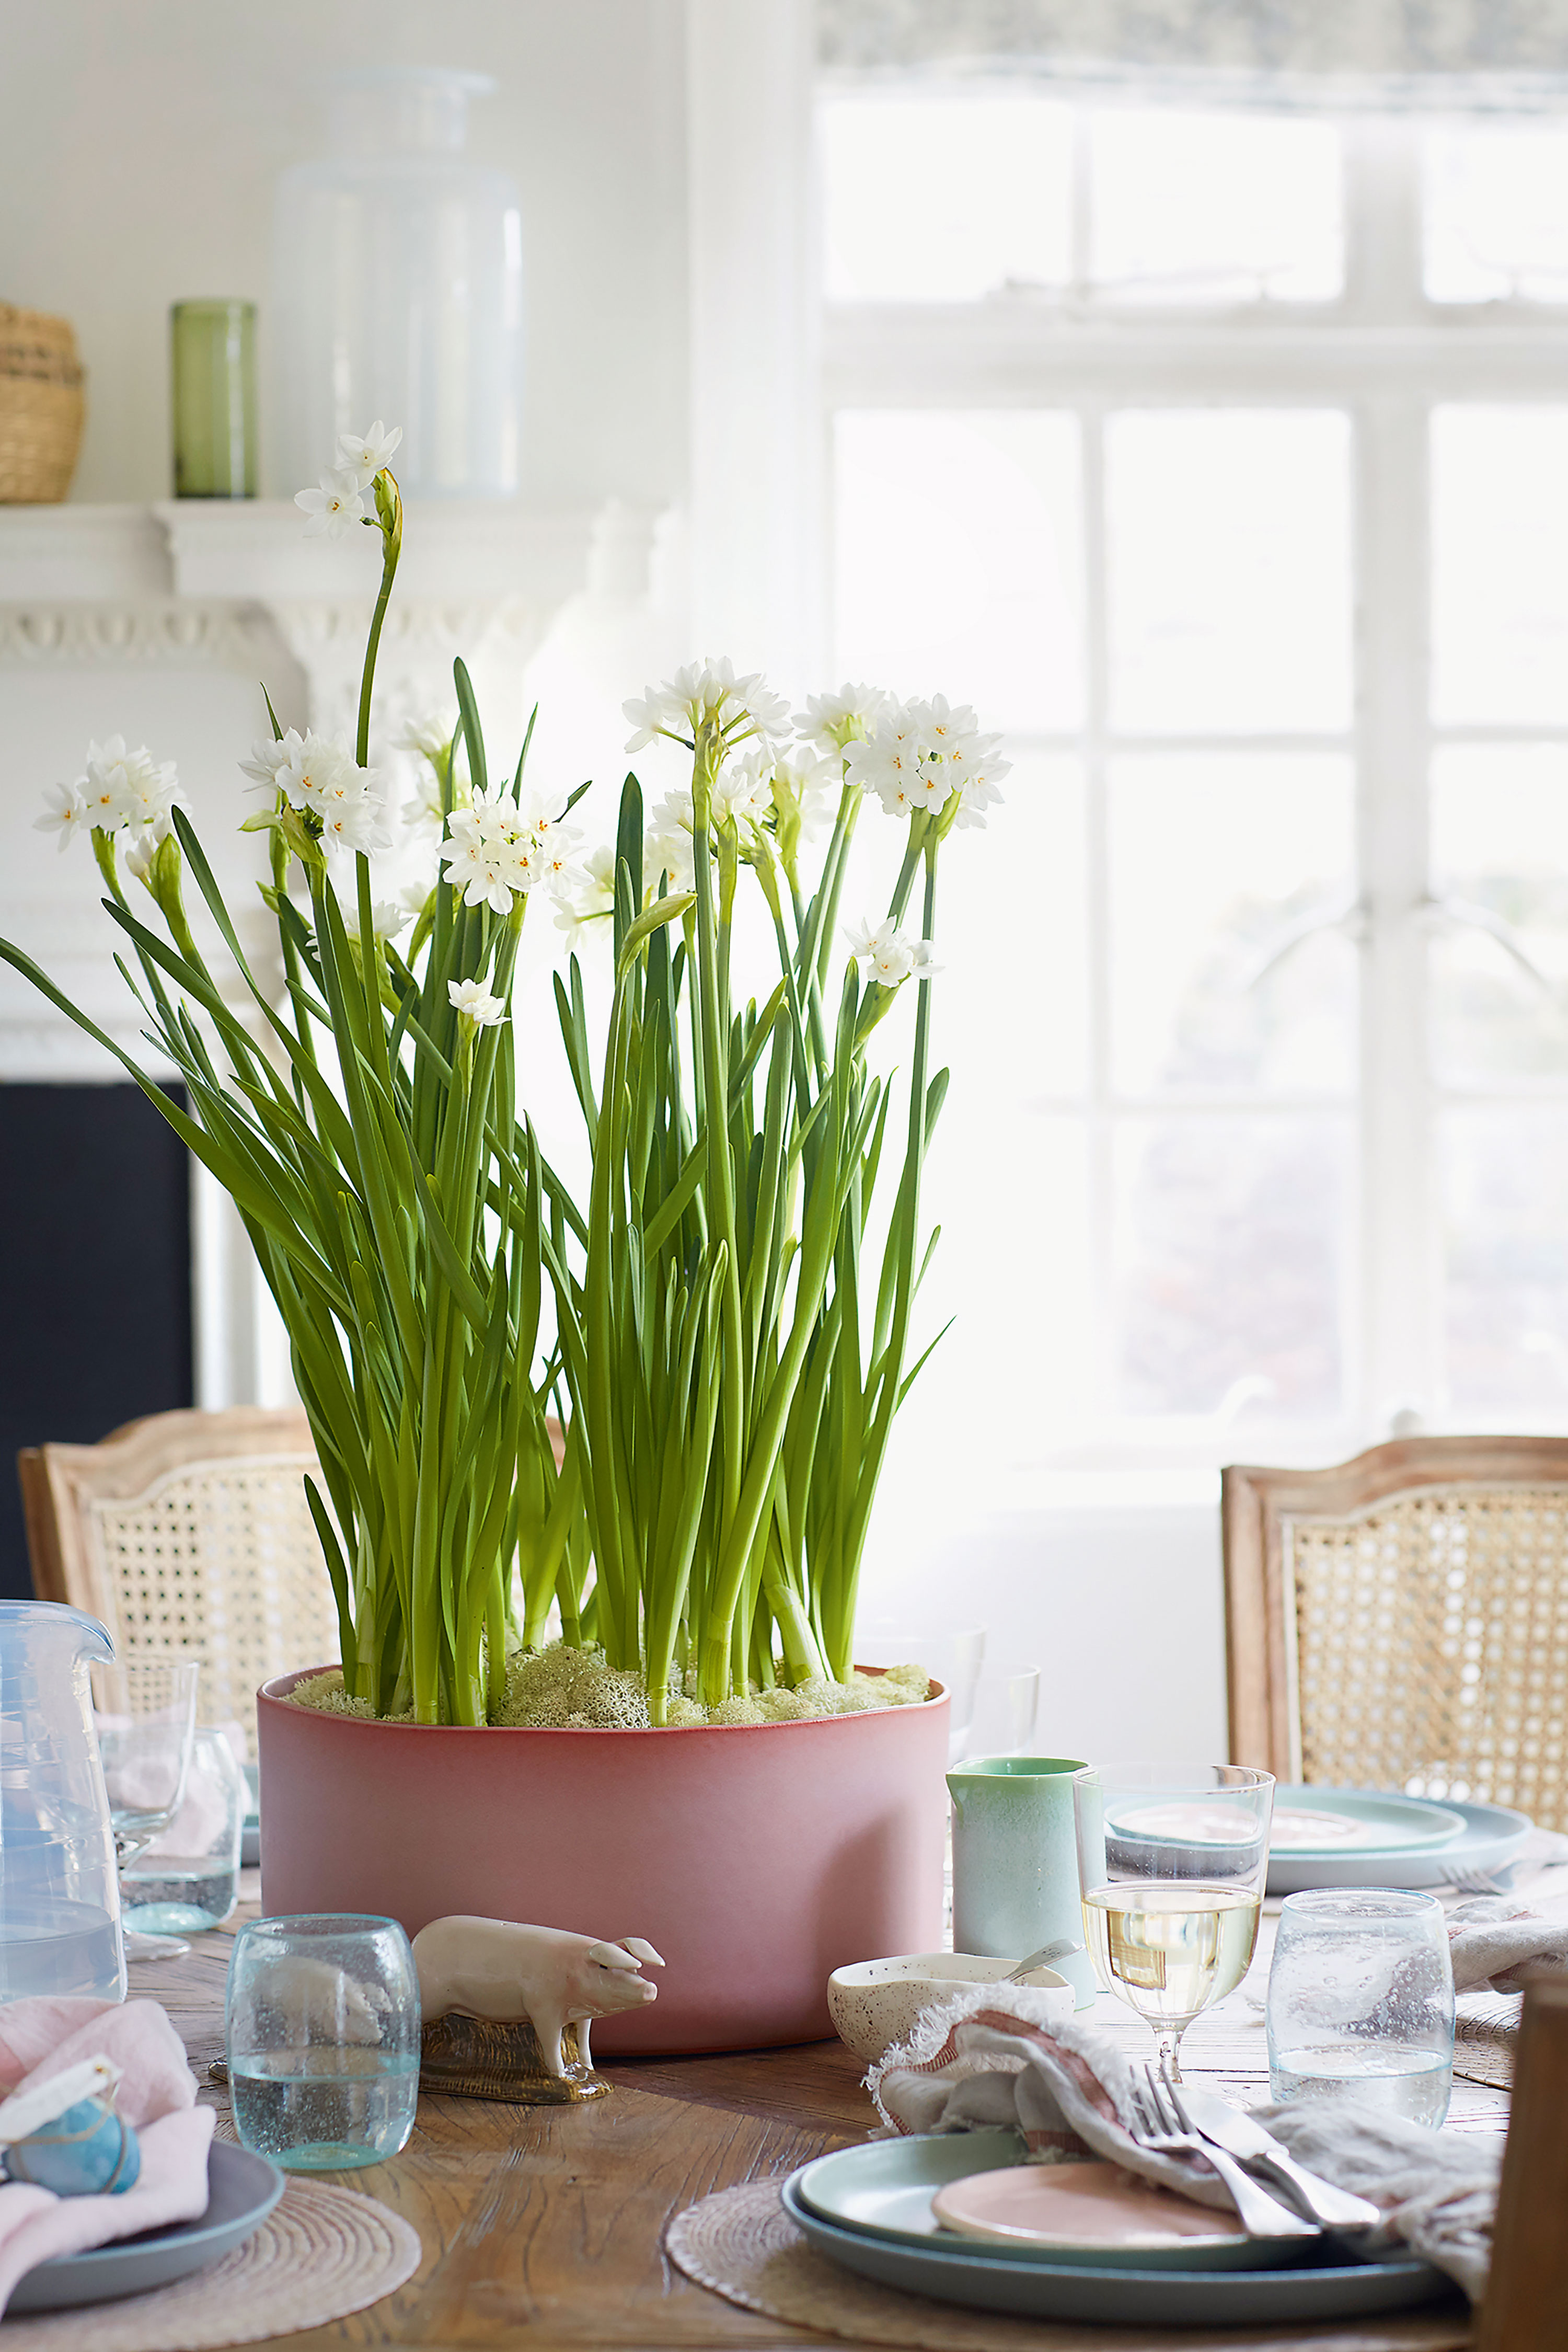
(1526, 2306)
(1404, 1617)
(190, 1531)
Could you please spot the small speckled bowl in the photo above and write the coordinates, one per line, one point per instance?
(875, 2003)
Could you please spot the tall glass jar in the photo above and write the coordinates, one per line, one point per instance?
(399, 290)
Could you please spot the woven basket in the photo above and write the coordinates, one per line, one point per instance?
(41, 407)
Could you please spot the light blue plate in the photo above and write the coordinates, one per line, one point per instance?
(884, 2188)
(985, 2281)
(1488, 1838)
(242, 2190)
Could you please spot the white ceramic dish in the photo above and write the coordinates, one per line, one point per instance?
(875, 2003)
(1489, 1838)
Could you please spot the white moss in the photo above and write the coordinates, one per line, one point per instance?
(578, 1689)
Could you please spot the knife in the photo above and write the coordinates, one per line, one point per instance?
(1244, 2136)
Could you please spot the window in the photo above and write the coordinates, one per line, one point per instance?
(1223, 462)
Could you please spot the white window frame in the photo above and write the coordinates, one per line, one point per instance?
(1382, 353)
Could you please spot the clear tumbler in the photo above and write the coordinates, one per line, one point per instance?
(1361, 2000)
(322, 2027)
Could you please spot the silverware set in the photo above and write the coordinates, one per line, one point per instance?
(1173, 2119)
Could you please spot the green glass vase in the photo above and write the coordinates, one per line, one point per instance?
(213, 375)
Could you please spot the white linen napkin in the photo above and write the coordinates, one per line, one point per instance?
(994, 2055)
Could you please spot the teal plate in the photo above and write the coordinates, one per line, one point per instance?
(883, 2190)
(242, 2190)
(1488, 1838)
(1354, 1821)
(1321, 2288)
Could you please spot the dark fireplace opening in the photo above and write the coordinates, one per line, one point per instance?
(95, 1276)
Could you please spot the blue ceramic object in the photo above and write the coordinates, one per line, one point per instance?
(88, 2151)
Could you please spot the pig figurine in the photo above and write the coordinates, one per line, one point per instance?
(496, 1969)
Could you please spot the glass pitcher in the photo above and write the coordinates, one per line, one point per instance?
(60, 1899)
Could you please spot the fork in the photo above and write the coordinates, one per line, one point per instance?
(1157, 2127)
(1469, 1882)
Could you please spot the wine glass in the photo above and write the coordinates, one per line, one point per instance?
(1172, 1859)
(145, 1717)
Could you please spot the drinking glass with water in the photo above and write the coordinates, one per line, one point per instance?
(322, 2026)
(1361, 2000)
(186, 1879)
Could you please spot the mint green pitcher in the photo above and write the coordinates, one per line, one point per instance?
(1015, 1862)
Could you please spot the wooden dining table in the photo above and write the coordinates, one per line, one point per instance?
(545, 2225)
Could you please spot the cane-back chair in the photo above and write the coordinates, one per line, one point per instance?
(1401, 1620)
(189, 1531)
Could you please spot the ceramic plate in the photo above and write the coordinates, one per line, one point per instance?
(1343, 1821)
(1092, 2211)
(884, 2189)
(1488, 1838)
(989, 2279)
(242, 2190)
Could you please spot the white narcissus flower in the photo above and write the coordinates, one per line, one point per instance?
(266, 759)
(890, 954)
(976, 771)
(363, 454)
(707, 692)
(388, 919)
(428, 735)
(67, 814)
(595, 895)
(333, 510)
(357, 824)
(138, 856)
(940, 727)
(123, 787)
(744, 788)
(805, 788)
(470, 998)
(832, 720)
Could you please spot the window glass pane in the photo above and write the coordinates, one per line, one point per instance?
(1500, 940)
(1011, 932)
(943, 199)
(1497, 213)
(958, 565)
(1504, 1180)
(1231, 1239)
(1230, 966)
(1499, 524)
(1229, 571)
(1016, 1280)
(1215, 208)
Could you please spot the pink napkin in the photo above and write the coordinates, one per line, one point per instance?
(157, 2093)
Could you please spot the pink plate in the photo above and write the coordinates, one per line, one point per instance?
(1080, 2205)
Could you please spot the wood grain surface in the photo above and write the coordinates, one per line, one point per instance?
(545, 2226)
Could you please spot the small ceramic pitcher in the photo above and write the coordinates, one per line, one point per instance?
(1015, 1862)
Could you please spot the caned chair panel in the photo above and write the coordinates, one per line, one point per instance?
(190, 1531)
(1401, 1620)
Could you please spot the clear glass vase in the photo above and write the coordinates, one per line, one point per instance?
(399, 290)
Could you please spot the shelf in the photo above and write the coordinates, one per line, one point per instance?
(464, 551)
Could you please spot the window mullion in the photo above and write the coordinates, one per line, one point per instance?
(1398, 1239)
(1102, 1136)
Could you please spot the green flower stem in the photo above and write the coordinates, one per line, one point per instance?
(388, 511)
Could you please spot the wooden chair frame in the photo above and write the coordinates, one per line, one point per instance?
(59, 1481)
(1260, 1607)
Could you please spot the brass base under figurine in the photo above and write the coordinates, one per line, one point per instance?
(467, 2057)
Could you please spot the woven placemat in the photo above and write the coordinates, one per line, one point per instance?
(742, 2244)
(320, 2254)
(1486, 2039)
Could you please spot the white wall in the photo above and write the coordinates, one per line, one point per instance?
(140, 140)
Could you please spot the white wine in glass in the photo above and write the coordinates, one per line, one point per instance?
(1172, 1860)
